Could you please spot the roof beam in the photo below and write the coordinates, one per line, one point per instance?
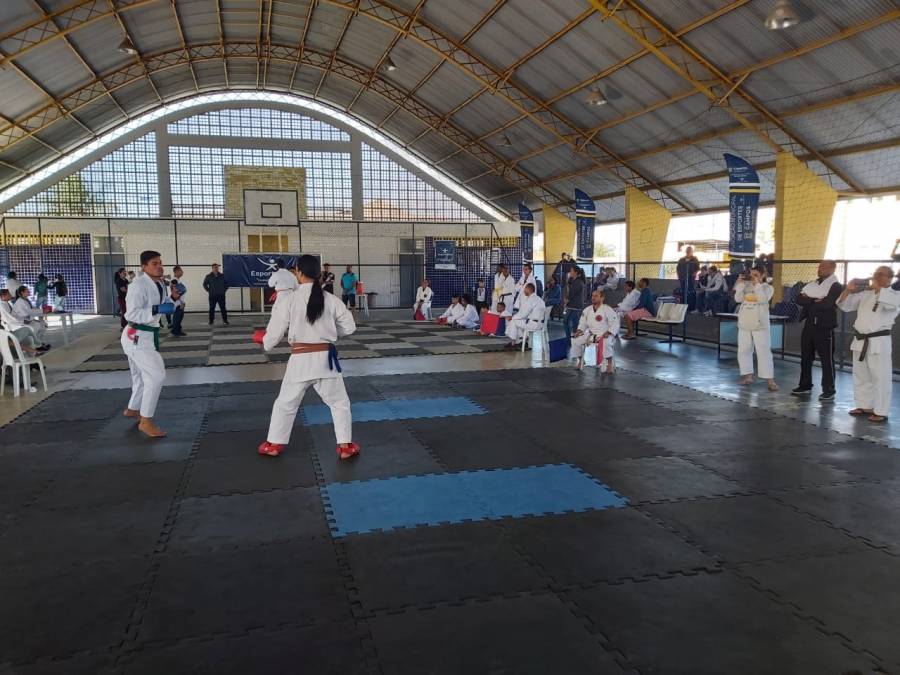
(302, 44)
(387, 52)
(222, 41)
(337, 46)
(287, 54)
(139, 60)
(685, 61)
(437, 66)
(184, 46)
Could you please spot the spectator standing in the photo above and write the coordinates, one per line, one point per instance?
(480, 295)
(687, 269)
(818, 302)
(121, 285)
(178, 314)
(41, 290)
(12, 283)
(561, 271)
(327, 280)
(575, 299)
(753, 294)
(215, 285)
(348, 287)
(61, 289)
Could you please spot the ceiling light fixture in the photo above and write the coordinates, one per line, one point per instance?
(127, 47)
(505, 142)
(595, 97)
(783, 15)
(389, 65)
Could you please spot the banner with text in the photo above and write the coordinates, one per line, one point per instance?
(743, 203)
(585, 216)
(252, 270)
(444, 254)
(526, 222)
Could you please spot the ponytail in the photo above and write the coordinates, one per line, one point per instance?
(309, 267)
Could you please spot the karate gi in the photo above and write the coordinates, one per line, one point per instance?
(753, 328)
(469, 317)
(530, 315)
(452, 313)
(312, 368)
(424, 296)
(24, 334)
(148, 372)
(520, 288)
(283, 280)
(875, 312)
(504, 290)
(29, 316)
(593, 324)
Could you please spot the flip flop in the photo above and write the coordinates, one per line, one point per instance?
(859, 412)
(877, 418)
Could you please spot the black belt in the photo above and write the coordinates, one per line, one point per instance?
(865, 337)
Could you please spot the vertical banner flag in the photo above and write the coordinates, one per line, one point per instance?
(743, 203)
(444, 254)
(526, 222)
(585, 215)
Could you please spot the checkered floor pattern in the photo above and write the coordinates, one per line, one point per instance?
(218, 345)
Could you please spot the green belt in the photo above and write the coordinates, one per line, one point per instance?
(149, 329)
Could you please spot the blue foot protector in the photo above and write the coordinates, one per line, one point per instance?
(438, 499)
(396, 409)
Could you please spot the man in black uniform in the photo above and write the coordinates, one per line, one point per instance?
(819, 312)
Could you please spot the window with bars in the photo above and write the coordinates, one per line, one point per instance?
(124, 183)
(258, 123)
(390, 192)
(198, 185)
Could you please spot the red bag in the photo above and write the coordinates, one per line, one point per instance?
(259, 335)
(490, 323)
(418, 316)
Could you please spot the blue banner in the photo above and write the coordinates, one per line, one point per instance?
(252, 270)
(444, 254)
(743, 203)
(526, 223)
(585, 217)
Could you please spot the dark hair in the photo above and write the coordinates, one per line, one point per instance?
(20, 289)
(762, 270)
(147, 256)
(479, 281)
(279, 263)
(59, 276)
(629, 284)
(11, 275)
(309, 267)
(41, 276)
(118, 272)
(4, 293)
(645, 280)
(466, 298)
(177, 268)
(501, 303)
(531, 286)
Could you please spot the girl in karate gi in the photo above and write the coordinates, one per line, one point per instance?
(146, 302)
(469, 317)
(424, 294)
(599, 324)
(313, 321)
(526, 278)
(754, 294)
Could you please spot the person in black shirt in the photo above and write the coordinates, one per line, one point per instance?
(575, 301)
(819, 313)
(687, 269)
(121, 282)
(327, 279)
(214, 283)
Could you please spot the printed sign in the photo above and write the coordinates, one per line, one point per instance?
(444, 254)
(743, 203)
(585, 217)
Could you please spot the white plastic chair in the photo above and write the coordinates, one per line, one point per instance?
(20, 364)
(544, 333)
(670, 314)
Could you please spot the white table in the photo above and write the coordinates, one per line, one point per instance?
(64, 318)
(362, 302)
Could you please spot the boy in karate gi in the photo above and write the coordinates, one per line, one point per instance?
(147, 301)
(423, 300)
(469, 317)
(599, 324)
(452, 313)
(501, 324)
(531, 313)
(526, 278)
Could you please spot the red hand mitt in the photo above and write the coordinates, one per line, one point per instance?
(259, 335)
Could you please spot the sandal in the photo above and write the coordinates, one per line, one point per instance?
(877, 418)
(859, 412)
(348, 452)
(773, 386)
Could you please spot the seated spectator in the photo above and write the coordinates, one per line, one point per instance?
(646, 308)
(599, 324)
(553, 297)
(631, 300)
(712, 293)
(24, 334)
(469, 316)
(600, 278)
(530, 314)
(27, 314)
(501, 325)
(422, 304)
(452, 313)
(612, 279)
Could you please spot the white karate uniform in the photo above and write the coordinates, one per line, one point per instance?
(872, 381)
(759, 339)
(817, 290)
(520, 288)
(468, 318)
(530, 314)
(29, 316)
(504, 290)
(148, 372)
(452, 313)
(25, 334)
(310, 369)
(283, 280)
(593, 324)
(424, 296)
(629, 303)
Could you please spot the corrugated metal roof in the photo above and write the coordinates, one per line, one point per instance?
(556, 46)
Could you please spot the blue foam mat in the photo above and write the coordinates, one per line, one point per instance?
(438, 499)
(396, 409)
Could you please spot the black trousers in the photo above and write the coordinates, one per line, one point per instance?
(177, 318)
(816, 340)
(220, 301)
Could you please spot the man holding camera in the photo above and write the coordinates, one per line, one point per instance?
(876, 305)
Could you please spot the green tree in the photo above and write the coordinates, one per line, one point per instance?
(602, 250)
(74, 198)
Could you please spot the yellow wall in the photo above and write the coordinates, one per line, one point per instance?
(239, 178)
(559, 236)
(804, 206)
(646, 227)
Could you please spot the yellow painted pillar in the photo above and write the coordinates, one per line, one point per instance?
(559, 236)
(804, 207)
(646, 227)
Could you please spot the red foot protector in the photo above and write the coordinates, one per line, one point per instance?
(349, 452)
(270, 449)
(258, 336)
